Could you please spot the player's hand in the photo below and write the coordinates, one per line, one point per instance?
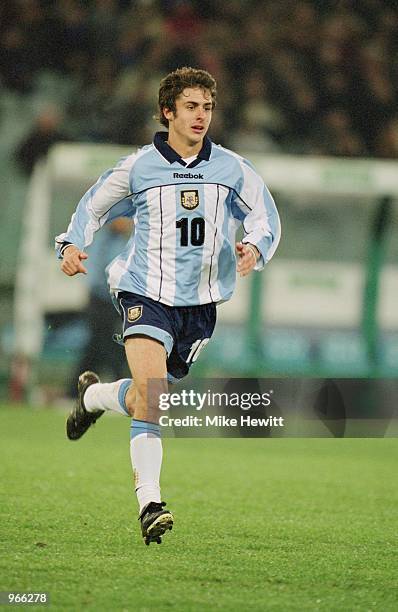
(72, 261)
(247, 258)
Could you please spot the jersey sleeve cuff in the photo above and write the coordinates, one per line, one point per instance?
(60, 246)
(261, 260)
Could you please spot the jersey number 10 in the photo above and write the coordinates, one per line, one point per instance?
(191, 233)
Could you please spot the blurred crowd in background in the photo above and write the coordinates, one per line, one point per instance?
(317, 77)
(304, 77)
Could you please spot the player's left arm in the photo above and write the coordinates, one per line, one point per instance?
(248, 257)
(260, 220)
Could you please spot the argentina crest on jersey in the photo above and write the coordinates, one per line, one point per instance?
(190, 199)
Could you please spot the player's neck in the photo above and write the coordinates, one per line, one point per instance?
(183, 148)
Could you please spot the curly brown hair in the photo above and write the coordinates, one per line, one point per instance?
(174, 84)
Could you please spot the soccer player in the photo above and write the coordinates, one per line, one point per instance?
(187, 197)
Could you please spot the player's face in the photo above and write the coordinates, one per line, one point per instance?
(191, 119)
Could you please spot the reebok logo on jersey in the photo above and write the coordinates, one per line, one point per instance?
(187, 175)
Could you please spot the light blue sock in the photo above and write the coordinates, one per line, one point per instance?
(140, 427)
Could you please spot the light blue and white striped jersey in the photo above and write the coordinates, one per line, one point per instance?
(182, 252)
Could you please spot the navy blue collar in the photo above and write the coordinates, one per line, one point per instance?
(172, 156)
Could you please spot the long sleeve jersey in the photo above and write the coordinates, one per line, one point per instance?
(182, 251)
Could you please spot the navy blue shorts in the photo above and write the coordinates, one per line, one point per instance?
(183, 330)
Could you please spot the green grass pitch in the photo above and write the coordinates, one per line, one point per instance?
(278, 524)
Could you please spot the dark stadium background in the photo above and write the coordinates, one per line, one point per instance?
(303, 78)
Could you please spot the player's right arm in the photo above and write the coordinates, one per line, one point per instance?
(105, 201)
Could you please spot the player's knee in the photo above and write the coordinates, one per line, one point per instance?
(137, 398)
(130, 400)
(146, 403)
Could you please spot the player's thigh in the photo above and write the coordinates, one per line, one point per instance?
(147, 362)
(197, 329)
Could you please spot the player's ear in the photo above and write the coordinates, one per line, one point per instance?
(168, 114)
